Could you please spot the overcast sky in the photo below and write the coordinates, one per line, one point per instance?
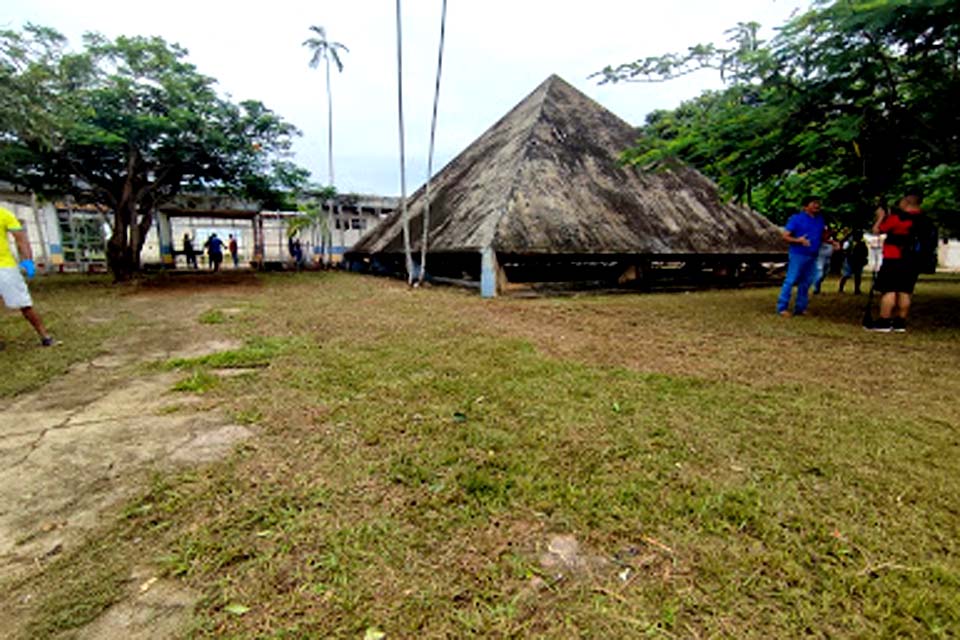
(496, 52)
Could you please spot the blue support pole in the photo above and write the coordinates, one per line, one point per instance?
(488, 273)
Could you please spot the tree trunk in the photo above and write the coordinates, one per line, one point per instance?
(129, 232)
(117, 260)
(123, 248)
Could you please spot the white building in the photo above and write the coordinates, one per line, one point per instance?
(67, 237)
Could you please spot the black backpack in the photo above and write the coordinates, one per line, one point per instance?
(923, 243)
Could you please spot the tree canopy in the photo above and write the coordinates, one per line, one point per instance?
(129, 124)
(851, 100)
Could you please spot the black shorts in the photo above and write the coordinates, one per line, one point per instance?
(897, 275)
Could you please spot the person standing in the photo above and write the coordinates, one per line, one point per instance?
(232, 248)
(14, 290)
(214, 246)
(824, 258)
(901, 264)
(804, 233)
(189, 251)
(298, 252)
(854, 260)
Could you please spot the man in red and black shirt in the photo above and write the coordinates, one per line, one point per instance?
(901, 265)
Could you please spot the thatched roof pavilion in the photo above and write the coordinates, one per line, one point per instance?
(541, 195)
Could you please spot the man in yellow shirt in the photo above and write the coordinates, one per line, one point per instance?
(12, 286)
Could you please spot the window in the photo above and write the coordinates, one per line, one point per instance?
(358, 223)
(82, 235)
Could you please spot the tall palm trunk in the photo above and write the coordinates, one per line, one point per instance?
(433, 130)
(329, 258)
(329, 125)
(404, 214)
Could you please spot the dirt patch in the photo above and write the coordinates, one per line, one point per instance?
(211, 445)
(563, 555)
(153, 610)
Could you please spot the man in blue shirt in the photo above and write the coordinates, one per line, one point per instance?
(804, 233)
(214, 246)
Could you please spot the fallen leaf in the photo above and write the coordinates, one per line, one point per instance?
(149, 583)
(236, 609)
(374, 634)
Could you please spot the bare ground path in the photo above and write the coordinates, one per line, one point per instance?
(83, 444)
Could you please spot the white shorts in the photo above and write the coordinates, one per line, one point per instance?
(13, 288)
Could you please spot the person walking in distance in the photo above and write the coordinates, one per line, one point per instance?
(232, 248)
(804, 233)
(854, 260)
(13, 288)
(824, 258)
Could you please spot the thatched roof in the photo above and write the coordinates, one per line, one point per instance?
(545, 180)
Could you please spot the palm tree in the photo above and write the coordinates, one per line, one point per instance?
(325, 50)
(311, 218)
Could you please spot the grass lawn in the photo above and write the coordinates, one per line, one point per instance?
(429, 464)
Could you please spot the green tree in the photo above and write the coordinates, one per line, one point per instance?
(129, 124)
(314, 219)
(852, 100)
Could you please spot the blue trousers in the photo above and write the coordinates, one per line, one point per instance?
(800, 272)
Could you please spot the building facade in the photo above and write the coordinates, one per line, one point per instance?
(67, 237)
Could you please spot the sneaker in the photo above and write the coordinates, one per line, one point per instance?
(899, 325)
(50, 341)
(785, 314)
(880, 325)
